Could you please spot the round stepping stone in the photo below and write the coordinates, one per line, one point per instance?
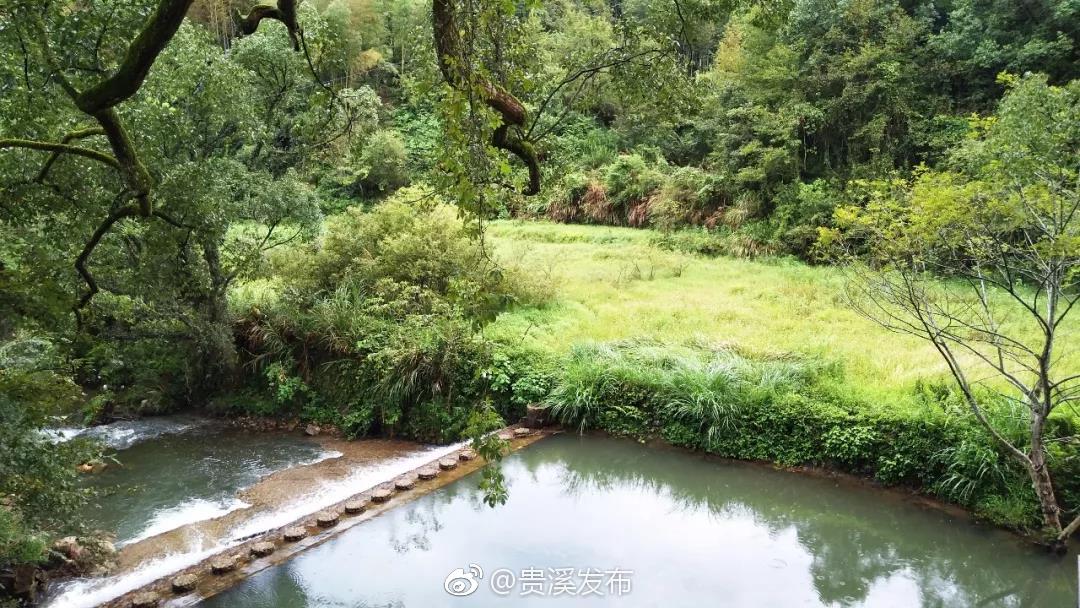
(184, 583)
(355, 506)
(326, 519)
(295, 533)
(522, 432)
(428, 473)
(405, 482)
(145, 600)
(447, 463)
(262, 549)
(467, 455)
(222, 565)
(382, 494)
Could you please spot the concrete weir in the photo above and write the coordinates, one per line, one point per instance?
(219, 572)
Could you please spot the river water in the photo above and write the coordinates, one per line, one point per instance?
(182, 489)
(174, 479)
(635, 526)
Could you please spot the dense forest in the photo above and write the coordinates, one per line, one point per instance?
(283, 211)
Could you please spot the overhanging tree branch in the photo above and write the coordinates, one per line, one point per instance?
(80, 134)
(60, 148)
(450, 52)
(1070, 529)
(285, 12)
(100, 101)
(141, 55)
(88, 249)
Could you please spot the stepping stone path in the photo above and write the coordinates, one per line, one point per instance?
(354, 507)
(326, 519)
(382, 495)
(522, 432)
(222, 565)
(428, 473)
(145, 600)
(294, 534)
(467, 455)
(447, 463)
(405, 482)
(184, 583)
(262, 549)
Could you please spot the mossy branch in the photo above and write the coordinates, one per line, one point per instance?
(80, 262)
(285, 12)
(140, 56)
(451, 56)
(80, 134)
(99, 102)
(60, 148)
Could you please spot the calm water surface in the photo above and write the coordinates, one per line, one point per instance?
(694, 532)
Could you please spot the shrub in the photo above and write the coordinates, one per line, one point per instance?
(586, 145)
(565, 202)
(376, 329)
(384, 162)
(630, 182)
(518, 377)
(39, 494)
(800, 210)
(749, 241)
(687, 197)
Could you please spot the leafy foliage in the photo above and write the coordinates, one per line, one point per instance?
(315, 241)
(373, 326)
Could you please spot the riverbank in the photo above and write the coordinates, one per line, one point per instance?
(795, 412)
(757, 360)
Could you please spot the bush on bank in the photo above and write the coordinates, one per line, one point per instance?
(373, 327)
(39, 490)
(696, 210)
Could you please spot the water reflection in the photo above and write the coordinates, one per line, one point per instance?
(695, 533)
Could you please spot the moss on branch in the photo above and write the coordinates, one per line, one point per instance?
(58, 148)
(451, 56)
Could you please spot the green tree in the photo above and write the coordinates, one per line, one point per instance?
(1002, 225)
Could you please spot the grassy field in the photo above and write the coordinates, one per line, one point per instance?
(610, 284)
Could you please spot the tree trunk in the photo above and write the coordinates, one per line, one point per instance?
(219, 365)
(1044, 490)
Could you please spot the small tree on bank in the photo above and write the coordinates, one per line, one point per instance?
(981, 260)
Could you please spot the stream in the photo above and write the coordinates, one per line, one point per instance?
(178, 490)
(691, 531)
(589, 520)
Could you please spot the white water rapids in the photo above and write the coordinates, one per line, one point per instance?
(86, 593)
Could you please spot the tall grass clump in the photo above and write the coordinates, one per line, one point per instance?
(710, 387)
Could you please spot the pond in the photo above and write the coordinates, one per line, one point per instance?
(628, 525)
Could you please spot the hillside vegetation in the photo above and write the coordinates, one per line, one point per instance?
(675, 220)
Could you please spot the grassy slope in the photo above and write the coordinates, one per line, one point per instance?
(610, 284)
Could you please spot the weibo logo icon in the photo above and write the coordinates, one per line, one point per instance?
(462, 582)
